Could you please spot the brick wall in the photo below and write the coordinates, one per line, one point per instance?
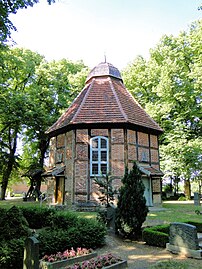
(117, 152)
(75, 147)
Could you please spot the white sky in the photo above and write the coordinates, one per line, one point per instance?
(88, 29)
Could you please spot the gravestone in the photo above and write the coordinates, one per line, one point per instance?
(197, 199)
(183, 239)
(31, 253)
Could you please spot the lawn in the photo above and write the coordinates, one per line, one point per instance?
(174, 212)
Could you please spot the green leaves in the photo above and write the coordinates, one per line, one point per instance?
(168, 86)
(33, 94)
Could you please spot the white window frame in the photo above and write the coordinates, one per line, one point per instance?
(99, 162)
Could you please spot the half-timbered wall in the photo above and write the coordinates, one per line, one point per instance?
(72, 149)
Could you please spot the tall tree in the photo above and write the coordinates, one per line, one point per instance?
(38, 92)
(168, 86)
(15, 73)
(54, 87)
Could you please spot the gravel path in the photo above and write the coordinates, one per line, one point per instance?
(141, 256)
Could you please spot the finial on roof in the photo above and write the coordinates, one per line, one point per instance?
(105, 57)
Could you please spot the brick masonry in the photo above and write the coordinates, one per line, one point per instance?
(126, 146)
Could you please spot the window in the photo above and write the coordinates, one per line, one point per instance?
(98, 156)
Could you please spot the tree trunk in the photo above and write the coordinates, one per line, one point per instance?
(187, 188)
(5, 180)
(43, 146)
(8, 166)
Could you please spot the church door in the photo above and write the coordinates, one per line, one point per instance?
(59, 193)
(147, 191)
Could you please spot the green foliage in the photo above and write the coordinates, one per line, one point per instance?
(86, 233)
(197, 224)
(11, 254)
(38, 92)
(63, 220)
(13, 231)
(157, 235)
(168, 86)
(106, 188)
(56, 231)
(13, 225)
(37, 217)
(131, 207)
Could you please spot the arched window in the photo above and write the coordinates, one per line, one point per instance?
(99, 156)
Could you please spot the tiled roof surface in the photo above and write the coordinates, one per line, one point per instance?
(150, 171)
(105, 100)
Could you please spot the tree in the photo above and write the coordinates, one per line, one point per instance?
(8, 7)
(38, 92)
(106, 189)
(168, 86)
(54, 87)
(131, 206)
(15, 73)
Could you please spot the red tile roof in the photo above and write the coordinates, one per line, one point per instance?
(105, 99)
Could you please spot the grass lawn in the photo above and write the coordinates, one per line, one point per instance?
(174, 211)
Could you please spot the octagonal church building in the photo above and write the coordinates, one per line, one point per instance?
(103, 131)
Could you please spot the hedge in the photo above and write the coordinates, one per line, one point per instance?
(159, 235)
(56, 231)
(156, 235)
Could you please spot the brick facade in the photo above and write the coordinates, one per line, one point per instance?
(125, 146)
(106, 113)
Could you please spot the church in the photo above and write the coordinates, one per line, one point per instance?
(103, 131)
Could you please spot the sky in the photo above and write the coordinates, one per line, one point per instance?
(90, 29)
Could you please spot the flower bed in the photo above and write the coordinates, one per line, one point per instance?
(108, 261)
(60, 260)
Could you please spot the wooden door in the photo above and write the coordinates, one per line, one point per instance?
(59, 194)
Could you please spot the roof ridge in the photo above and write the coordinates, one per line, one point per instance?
(118, 101)
(83, 101)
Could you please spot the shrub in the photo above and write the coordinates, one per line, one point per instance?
(11, 254)
(157, 235)
(52, 241)
(38, 217)
(182, 198)
(86, 233)
(197, 224)
(63, 220)
(131, 206)
(13, 225)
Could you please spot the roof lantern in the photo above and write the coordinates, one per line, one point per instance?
(104, 69)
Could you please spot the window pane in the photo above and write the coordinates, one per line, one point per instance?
(103, 156)
(95, 143)
(94, 155)
(94, 169)
(104, 169)
(103, 143)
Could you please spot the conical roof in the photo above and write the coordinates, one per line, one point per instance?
(104, 100)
